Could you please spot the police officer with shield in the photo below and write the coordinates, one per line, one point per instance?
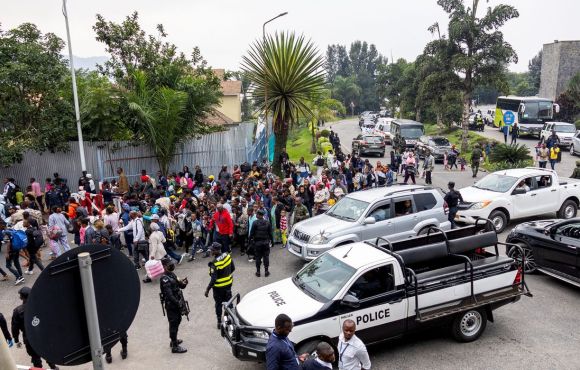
(173, 302)
(221, 271)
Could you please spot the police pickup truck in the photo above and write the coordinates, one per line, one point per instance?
(388, 289)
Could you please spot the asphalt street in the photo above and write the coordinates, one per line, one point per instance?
(542, 332)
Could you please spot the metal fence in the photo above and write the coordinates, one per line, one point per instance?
(210, 152)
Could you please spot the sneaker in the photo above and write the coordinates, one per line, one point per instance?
(147, 280)
(267, 273)
(192, 258)
(181, 259)
(250, 260)
(258, 273)
(138, 267)
(124, 353)
(108, 358)
(179, 341)
(4, 278)
(178, 349)
(19, 280)
(29, 272)
(199, 251)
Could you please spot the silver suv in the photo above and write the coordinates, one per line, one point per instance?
(396, 212)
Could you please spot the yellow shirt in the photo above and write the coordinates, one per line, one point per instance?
(554, 153)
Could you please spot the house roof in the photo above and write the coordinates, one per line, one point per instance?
(231, 87)
(217, 118)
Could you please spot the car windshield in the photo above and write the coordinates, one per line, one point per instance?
(373, 139)
(348, 209)
(323, 277)
(440, 141)
(565, 128)
(411, 132)
(497, 183)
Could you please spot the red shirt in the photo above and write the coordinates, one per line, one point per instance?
(224, 222)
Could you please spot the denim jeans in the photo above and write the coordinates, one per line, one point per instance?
(198, 244)
(13, 259)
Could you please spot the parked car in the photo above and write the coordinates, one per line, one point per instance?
(397, 212)
(365, 144)
(507, 195)
(549, 246)
(405, 133)
(383, 128)
(575, 146)
(564, 131)
(449, 282)
(437, 145)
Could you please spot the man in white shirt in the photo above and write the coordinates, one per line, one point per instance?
(140, 244)
(352, 353)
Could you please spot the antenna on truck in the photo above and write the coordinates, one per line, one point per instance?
(347, 252)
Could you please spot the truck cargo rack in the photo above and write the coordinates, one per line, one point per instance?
(474, 300)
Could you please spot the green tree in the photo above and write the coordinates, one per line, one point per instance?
(481, 53)
(162, 114)
(289, 69)
(346, 90)
(32, 114)
(323, 109)
(535, 72)
(148, 69)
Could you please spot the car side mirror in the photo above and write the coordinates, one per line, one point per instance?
(369, 221)
(518, 191)
(350, 300)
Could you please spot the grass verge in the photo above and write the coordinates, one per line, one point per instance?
(299, 143)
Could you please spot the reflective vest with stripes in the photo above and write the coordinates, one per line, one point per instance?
(222, 266)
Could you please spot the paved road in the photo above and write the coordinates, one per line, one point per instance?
(542, 332)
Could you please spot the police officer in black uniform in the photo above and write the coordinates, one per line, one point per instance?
(18, 326)
(221, 271)
(261, 237)
(175, 305)
(452, 198)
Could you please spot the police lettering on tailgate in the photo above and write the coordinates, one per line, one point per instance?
(373, 316)
(276, 298)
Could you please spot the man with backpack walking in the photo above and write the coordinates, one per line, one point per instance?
(319, 161)
(14, 241)
(34, 242)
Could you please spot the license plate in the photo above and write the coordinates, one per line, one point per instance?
(296, 248)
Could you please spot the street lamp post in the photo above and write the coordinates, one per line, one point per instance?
(75, 94)
(266, 89)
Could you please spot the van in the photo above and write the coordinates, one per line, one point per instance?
(405, 133)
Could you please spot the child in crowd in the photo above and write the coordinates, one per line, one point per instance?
(446, 161)
(462, 162)
(284, 227)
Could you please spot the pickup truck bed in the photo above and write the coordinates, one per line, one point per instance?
(455, 264)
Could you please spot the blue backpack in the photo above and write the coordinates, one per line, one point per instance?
(19, 240)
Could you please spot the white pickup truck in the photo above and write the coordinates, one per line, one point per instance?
(506, 195)
(388, 289)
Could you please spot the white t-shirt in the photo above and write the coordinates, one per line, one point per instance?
(352, 354)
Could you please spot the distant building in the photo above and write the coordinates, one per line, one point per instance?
(229, 109)
(560, 62)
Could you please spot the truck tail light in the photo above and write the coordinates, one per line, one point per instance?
(518, 278)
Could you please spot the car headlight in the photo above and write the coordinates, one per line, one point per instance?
(260, 334)
(480, 205)
(313, 253)
(319, 239)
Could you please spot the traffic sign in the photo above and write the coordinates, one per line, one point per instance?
(55, 321)
(509, 118)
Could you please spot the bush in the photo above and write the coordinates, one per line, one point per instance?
(323, 139)
(504, 165)
(325, 133)
(510, 153)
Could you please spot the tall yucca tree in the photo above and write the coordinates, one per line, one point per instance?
(161, 113)
(289, 70)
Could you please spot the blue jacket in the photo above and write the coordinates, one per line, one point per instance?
(280, 354)
(312, 364)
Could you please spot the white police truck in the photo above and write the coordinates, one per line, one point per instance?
(388, 289)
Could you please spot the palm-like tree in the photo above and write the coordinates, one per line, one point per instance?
(162, 116)
(288, 69)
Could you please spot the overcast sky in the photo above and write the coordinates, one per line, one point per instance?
(223, 29)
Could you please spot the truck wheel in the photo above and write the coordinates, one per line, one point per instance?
(499, 220)
(310, 347)
(530, 266)
(568, 210)
(572, 150)
(469, 325)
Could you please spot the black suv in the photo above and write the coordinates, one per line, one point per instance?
(437, 145)
(550, 246)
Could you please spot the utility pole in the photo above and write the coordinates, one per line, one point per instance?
(266, 89)
(75, 94)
